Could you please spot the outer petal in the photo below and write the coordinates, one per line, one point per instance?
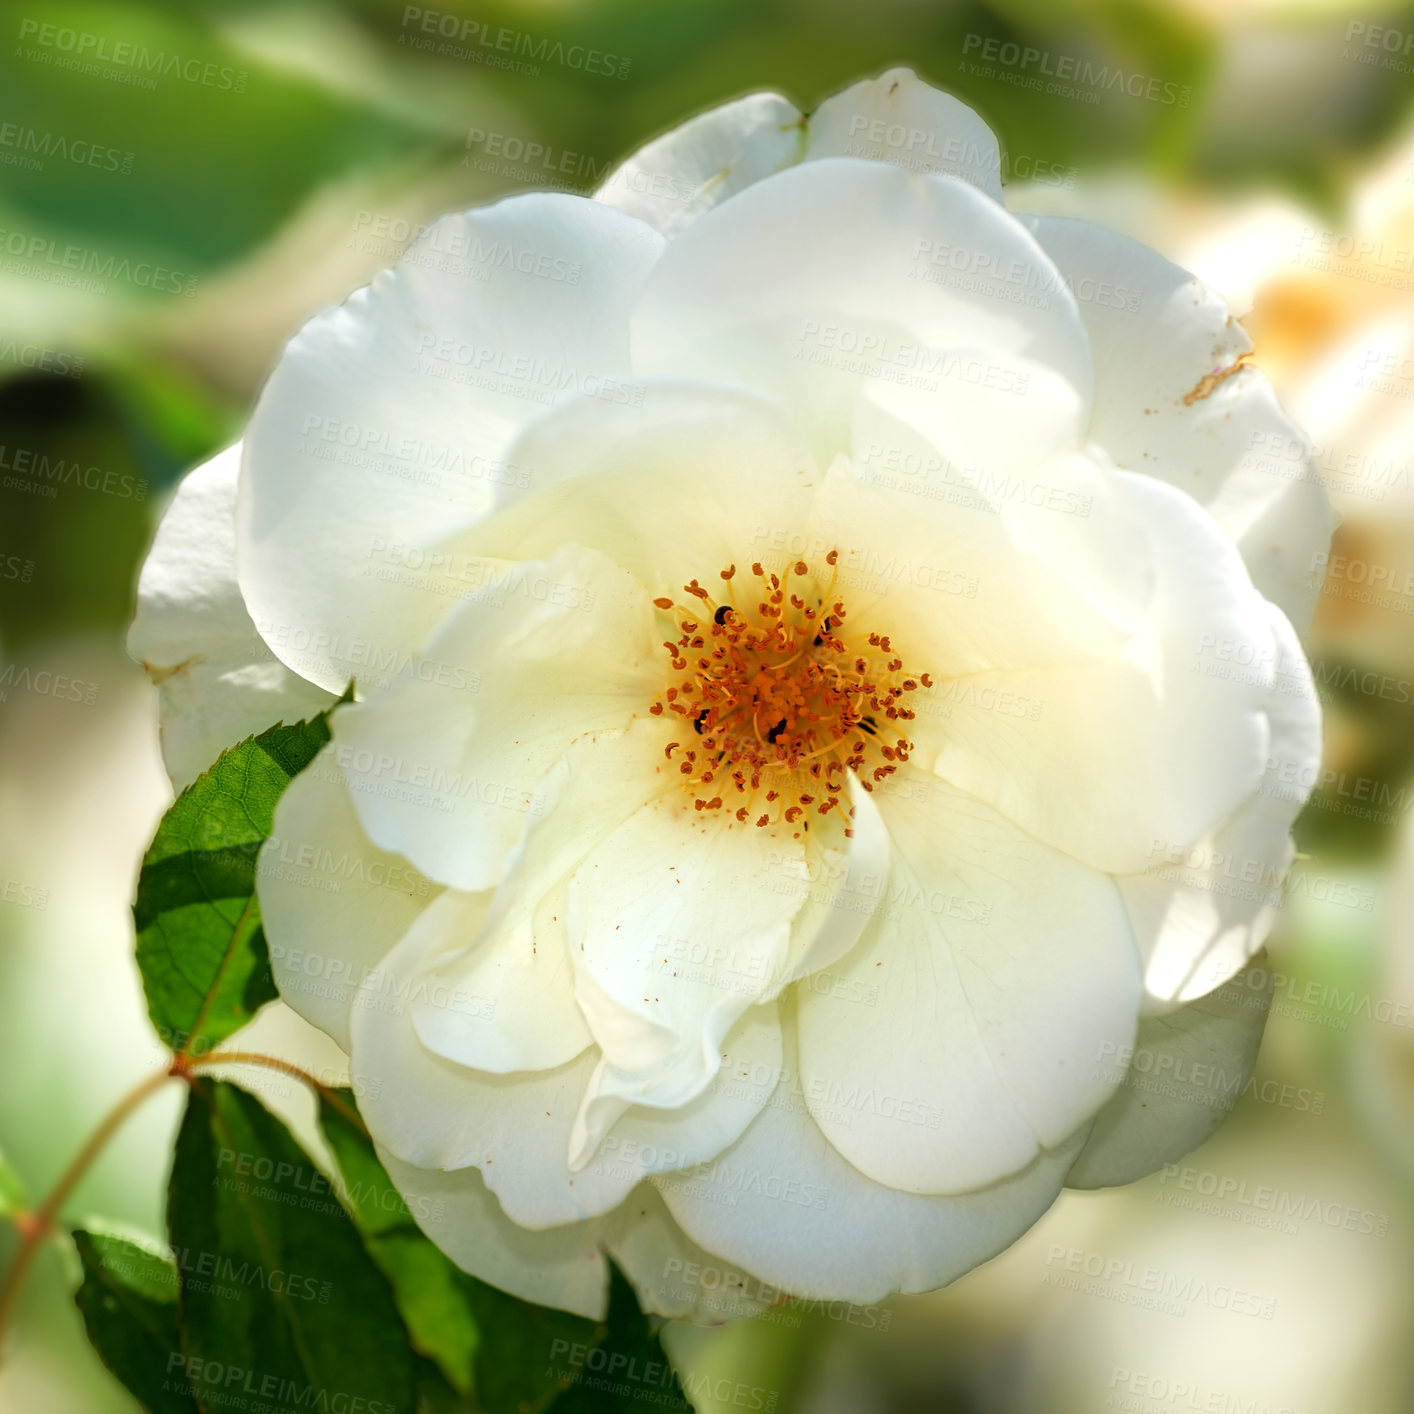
(962, 1042)
(899, 119)
(674, 179)
(782, 1204)
(449, 774)
(516, 1128)
(385, 424)
(1174, 399)
(1185, 1071)
(559, 1266)
(1201, 911)
(811, 283)
(332, 903)
(566, 1266)
(217, 682)
(1152, 748)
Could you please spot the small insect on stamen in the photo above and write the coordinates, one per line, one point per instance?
(785, 699)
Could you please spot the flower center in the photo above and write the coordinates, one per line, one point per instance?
(781, 701)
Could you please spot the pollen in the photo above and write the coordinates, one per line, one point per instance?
(781, 701)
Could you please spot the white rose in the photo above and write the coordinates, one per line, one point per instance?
(828, 706)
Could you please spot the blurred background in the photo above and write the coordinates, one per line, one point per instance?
(294, 151)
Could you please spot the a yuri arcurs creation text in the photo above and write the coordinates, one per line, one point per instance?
(827, 712)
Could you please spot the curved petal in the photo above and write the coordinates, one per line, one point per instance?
(517, 1128)
(332, 904)
(385, 425)
(1201, 911)
(782, 1204)
(899, 119)
(678, 484)
(965, 1037)
(958, 593)
(562, 1266)
(1184, 1072)
(1174, 398)
(450, 776)
(678, 922)
(519, 1010)
(217, 683)
(830, 274)
(1150, 749)
(671, 1275)
(699, 164)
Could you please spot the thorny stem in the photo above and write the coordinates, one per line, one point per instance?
(34, 1227)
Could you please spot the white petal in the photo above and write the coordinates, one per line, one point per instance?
(516, 1128)
(450, 776)
(560, 1266)
(1185, 1072)
(844, 878)
(671, 1275)
(814, 281)
(672, 180)
(678, 484)
(1172, 401)
(519, 1010)
(783, 1205)
(1151, 749)
(965, 1036)
(385, 425)
(957, 592)
(678, 921)
(1201, 911)
(217, 682)
(332, 903)
(899, 119)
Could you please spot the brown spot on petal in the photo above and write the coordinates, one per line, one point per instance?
(1208, 383)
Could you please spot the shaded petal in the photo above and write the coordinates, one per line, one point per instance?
(385, 425)
(699, 164)
(680, 483)
(899, 119)
(450, 775)
(1150, 749)
(518, 1008)
(1199, 912)
(1173, 400)
(1185, 1071)
(679, 920)
(516, 1128)
(217, 682)
(963, 1040)
(562, 1266)
(331, 902)
(782, 1204)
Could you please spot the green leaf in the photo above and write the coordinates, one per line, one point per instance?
(275, 1282)
(514, 1356)
(128, 1299)
(627, 1369)
(200, 946)
(427, 1286)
